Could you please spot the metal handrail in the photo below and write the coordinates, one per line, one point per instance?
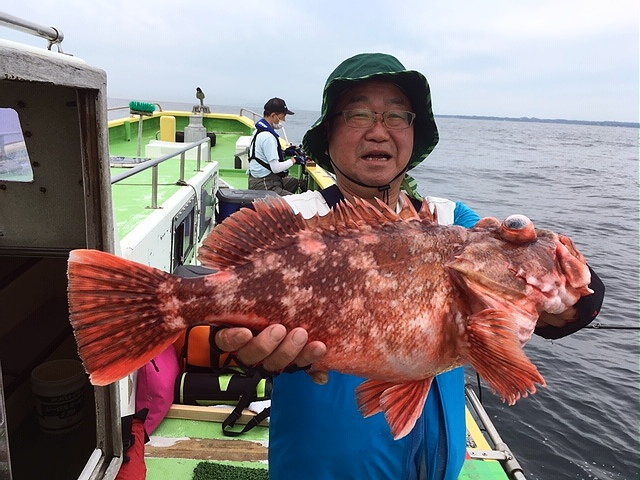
(513, 468)
(253, 114)
(157, 161)
(257, 115)
(117, 108)
(52, 34)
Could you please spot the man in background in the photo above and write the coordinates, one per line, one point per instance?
(268, 168)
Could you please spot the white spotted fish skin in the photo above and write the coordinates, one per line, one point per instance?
(396, 298)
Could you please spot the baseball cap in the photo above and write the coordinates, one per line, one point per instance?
(277, 105)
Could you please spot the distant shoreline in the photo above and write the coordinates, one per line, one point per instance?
(605, 123)
(546, 120)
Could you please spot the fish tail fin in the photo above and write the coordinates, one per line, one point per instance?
(402, 403)
(496, 354)
(114, 308)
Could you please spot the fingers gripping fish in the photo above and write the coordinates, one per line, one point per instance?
(396, 298)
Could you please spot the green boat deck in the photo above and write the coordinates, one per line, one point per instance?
(202, 441)
(199, 441)
(123, 142)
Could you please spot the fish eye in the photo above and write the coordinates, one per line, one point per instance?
(516, 222)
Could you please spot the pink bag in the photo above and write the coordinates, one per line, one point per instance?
(154, 389)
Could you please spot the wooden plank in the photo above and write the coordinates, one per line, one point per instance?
(209, 414)
(209, 449)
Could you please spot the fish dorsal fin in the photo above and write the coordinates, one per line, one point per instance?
(425, 212)
(270, 225)
(357, 215)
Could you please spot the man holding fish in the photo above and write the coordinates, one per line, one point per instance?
(389, 292)
(376, 124)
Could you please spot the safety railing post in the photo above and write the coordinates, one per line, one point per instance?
(154, 186)
(181, 180)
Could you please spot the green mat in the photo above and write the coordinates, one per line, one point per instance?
(221, 471)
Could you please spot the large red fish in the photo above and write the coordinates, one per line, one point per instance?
(396, 298)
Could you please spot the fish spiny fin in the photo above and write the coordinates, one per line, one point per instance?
(270, 225)
(274, 225)
(402, 403)
(495, 352)
(426, 214)
(357, 215)
(114, 310)
(408, 211)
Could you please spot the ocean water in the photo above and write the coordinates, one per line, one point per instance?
(580, 180)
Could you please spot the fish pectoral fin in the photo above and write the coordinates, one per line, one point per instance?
(496, 353)
(402, 403)
(368, 396)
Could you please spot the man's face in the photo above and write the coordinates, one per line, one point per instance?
(373, 155)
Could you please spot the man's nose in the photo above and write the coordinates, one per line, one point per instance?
(378, 129)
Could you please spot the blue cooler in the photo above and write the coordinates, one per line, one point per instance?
(231, 200)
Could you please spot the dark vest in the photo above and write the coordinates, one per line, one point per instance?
(252, 146)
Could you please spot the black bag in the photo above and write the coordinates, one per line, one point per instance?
(213, 377)
(232, 386)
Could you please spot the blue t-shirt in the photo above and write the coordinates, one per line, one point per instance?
(318, 433)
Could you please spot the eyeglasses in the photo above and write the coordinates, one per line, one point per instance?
(392, 119)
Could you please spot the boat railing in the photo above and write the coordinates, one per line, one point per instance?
(502, 451)
(255, 116)
(153, 164)
(53, 35)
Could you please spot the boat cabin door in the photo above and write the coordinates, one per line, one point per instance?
(54, 197)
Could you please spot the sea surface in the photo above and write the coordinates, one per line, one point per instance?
(580, 180)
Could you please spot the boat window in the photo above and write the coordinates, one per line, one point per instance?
(184, 235)
(207, 204)
(15, 165)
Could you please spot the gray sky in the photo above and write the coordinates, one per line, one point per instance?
(572, 59)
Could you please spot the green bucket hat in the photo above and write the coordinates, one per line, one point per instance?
(378, 66)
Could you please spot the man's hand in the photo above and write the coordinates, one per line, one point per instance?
(274, 348)
(290, 151)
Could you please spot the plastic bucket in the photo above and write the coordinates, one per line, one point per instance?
(59, 387)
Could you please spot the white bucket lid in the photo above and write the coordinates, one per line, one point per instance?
(58, 373)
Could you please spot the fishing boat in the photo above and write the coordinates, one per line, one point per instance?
(149, 187)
